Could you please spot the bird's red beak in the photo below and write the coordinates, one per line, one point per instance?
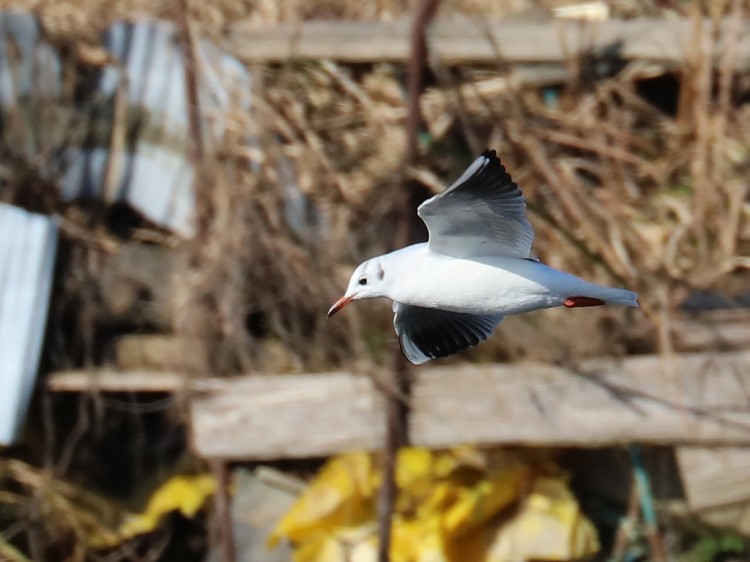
(339, 304)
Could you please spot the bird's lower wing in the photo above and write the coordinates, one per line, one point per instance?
(430, 333)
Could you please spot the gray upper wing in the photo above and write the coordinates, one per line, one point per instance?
(430, 333)
(482, 214)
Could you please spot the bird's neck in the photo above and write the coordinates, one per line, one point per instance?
(399, 264)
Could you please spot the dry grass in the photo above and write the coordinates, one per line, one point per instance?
(620, 191)
(51, 513)
(84, 18)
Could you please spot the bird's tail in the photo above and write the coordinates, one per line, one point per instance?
(580, 293)
(612, 295)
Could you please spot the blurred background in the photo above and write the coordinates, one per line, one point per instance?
(185, 189)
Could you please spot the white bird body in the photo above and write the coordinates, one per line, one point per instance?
(451, 292)
(490, 284)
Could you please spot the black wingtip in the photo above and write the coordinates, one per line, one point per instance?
(494, 164)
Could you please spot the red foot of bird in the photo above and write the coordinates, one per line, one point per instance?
(576, 302)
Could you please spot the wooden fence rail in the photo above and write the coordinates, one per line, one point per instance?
(460, 40)
(698, 402)
(700, 399)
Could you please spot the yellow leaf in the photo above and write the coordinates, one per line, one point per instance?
(447, 510)
(442, 495)
(347, 544)
(414, 467)
(358, 544)
(318, 547)
(416, 479)
(418, 540)
(186, 494)
(342, 495)
(549, 526)
(482, 501)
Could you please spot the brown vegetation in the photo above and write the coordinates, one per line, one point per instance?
(621, 189)
(634, 176)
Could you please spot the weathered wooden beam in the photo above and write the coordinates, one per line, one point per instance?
(111, 380)
(718, 330)
(271, 417)
(714, 476)
(699, 398)
(461, 40)
(693, 399)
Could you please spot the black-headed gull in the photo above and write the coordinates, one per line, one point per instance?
(451, 292)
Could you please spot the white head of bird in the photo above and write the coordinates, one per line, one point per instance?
(368, 281)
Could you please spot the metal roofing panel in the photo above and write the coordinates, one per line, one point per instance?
(151, 171)
(28, 243)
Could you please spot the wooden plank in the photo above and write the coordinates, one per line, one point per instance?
(286, 416)
(460, 40)
(155, 352)
(714, 476)
(110, 380)
(718, 330)
(632, 400)
(143, 359)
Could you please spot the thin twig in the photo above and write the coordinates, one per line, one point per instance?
(397, 411)
(629, 397)
(202, 187)
(196, 147)
(424, 13)
(642, 482)
(223, 511)
(701, 109)
(558, 137)
(626, 527)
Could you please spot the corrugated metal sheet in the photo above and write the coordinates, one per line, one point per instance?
(30, 71)
(151, 171)
(28, 244)
(155, 177)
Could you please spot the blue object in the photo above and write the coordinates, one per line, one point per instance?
(28, 244)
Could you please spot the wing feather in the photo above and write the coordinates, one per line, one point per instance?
(482, 214)
(430, 333)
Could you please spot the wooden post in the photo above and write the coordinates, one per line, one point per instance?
(222, 506)
(202, 195)
(397, 410)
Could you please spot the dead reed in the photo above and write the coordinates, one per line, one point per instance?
(304, 184)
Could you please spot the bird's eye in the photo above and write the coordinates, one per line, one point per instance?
(363, 280)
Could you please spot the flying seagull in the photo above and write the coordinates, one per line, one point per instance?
(451, 292)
